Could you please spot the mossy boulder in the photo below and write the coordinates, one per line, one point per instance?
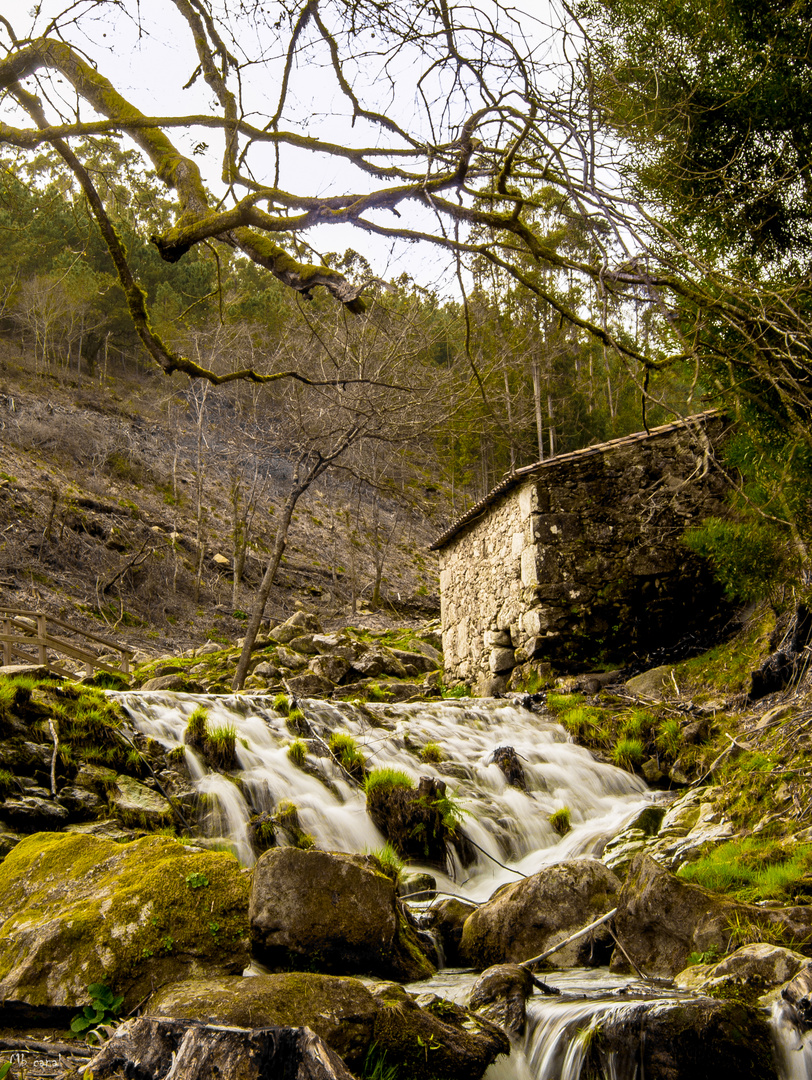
(524, 919)
(340, 1010)
(332, 913)
(76, 910)
(662, 920)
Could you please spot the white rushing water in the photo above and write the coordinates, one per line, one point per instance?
(510, 825)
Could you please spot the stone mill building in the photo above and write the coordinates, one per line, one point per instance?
(578, 560)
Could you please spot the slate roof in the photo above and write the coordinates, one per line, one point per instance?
(519, 475)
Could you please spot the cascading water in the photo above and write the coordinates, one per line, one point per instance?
(508, 825)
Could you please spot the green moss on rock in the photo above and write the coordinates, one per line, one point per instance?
(76, 909)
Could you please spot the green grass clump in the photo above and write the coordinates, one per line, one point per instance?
(296, 722)
(376, 692)
(459, 691)
(755, 868)
(197, 727)
(581, 722)
(345, 749)
(557, 703)
(637, 723)
(281, 704)
(387, 778)
(669, 736)
(391, 863)
(221, 746)
(560, 820)
(432, 753)
(626, 753)
(6, 782)
(297, 751)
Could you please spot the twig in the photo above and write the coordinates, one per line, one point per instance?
(37, 1047)
(573, 937)
(614, 937)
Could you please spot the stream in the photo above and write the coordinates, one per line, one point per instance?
(510, 828)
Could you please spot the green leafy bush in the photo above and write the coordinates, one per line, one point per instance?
(748, 558)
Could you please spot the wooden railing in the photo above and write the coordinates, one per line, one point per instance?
(27, 637)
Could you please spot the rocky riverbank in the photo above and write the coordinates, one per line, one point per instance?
(111, 888)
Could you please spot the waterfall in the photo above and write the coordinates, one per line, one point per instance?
(793, 1046)
(508, 825)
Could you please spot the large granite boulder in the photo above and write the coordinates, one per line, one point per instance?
(349, 1017)
(662, 920)
(333, 913)
(524, 919)
(77, 910)
(702, 1039)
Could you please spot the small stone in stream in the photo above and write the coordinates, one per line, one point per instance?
(511, 767)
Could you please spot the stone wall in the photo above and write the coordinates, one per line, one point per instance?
(581, 563)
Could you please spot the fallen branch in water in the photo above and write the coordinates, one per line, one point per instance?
(573, 937)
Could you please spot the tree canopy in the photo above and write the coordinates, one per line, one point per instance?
(471, 128)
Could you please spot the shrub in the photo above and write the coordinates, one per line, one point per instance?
(297, 752)
(432, 753)
(387, 778)
(747, 557)
(560, 820)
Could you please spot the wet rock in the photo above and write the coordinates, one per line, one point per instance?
(76, 910)
(332, 911)
(411, 819)
(80, 803)
(8, 840)
(500, 994)
(511, 767)
(430, 1037)
(756, 968)
(661, 919)
(104, 830)
(412, 884)
(447, 919)
(136, 804)
(685, 1040)
(524, 919)
(149, 1049)
(798, 994)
